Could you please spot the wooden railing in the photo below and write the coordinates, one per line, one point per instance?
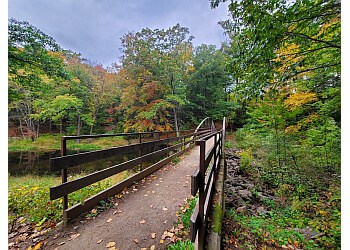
(175, 146)
(203, 183)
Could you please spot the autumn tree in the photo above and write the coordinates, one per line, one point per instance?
(155, 64)
(34, 69)
(285, 63)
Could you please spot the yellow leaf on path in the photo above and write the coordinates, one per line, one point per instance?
(110, 244)
(153, 247)
(98, 242)
(36, 247)
(161, 241)
(109, 220)
(142, 222)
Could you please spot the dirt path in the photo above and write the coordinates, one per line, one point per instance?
(149, 207)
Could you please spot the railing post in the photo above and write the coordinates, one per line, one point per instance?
(201, 199)
(64, 177)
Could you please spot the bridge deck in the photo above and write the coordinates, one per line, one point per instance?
(150, 207)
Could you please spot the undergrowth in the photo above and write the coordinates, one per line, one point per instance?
(281, 226)
(184, 218)
(29, 198)
(304, 200)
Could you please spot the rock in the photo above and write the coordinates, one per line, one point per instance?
(245, 193)
(261, 210)
(240, 202)
(242, 209)
(307, 232)
(248, 185)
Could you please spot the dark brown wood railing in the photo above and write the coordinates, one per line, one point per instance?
(203, 183)
(175, 146)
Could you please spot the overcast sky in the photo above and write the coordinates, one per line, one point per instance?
(94, 27)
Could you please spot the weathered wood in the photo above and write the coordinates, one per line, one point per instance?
(204, 181)
(194, 223)
(69, 161)
(69, 187)
(195, 182)
(89, 203)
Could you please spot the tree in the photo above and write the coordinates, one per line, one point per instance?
(208, 84)
(157, 60)
(301, 36)
(34, 69)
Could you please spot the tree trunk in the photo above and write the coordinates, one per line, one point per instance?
(176, 122)
(78, 127)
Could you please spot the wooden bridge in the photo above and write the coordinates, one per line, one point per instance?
(157, 147)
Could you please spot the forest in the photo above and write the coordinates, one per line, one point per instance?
(277, 80)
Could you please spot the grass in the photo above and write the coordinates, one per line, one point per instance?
(184, 215)
(51, 142)
(28, 197)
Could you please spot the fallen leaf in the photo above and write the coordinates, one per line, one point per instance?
(161, 241)
(142, 222)
(61, 243)
(109, 220)
(74, 236)
(94, 211)
(145, 195)
(153, 247)
(136, 241)
(165, 221)
(153, 235)
(165, 209)
(144, 248)
(110, 244)
(98, 242)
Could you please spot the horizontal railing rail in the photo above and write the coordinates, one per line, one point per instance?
(174, 146)
(203, 182)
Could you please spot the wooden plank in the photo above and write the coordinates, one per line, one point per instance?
(194, 222)
(208, 179)
(209, 156)
(195, 182)
(63, 162)
(206, 137)
(69, 187)
(89, 203)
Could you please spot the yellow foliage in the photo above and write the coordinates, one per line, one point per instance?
(298, 99)
(292, 129)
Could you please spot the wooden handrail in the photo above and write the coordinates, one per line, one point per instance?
(64, 162)
(203, 182)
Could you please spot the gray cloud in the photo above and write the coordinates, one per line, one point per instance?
(94, 27)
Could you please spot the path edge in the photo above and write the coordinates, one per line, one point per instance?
(213, 238)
